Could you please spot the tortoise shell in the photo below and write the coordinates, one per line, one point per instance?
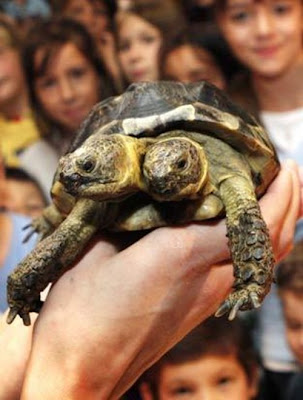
(151, 108)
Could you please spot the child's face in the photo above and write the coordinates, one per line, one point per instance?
(293, 313)
(212, 377)
(69, 88)
(11, 74)
(189, 64)
(91, 13)
(24, 198)
(265, 35)
(138, 48)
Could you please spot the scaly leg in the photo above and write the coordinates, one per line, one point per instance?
(51, 258)
(250, 247)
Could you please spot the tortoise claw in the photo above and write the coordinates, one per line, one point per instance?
(223, 309)
(235, 309)
(29, 234)
(25, 318)
(12, 314)
(243, 299)
(254, 299)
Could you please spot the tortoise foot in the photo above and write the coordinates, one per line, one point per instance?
(39, 225)
(243, 299)
(23, 311)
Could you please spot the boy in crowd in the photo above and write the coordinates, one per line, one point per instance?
(214, 361)
(290, 283)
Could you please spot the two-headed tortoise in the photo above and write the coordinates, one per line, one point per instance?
(161, 153)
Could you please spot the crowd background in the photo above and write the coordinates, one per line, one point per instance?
(60, 57)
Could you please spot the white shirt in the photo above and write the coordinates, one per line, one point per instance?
(286, 132)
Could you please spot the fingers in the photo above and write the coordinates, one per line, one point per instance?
(281, 206)
(301, 191)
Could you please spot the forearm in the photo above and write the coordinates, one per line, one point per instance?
(15, 344)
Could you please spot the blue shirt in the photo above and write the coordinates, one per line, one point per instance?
(16, 253)
(30, 8)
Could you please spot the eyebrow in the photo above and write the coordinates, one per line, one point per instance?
(239, 4)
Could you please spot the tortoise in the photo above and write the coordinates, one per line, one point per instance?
(162, 153)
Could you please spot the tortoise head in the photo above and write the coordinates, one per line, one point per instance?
(104, 167)
(175, 168)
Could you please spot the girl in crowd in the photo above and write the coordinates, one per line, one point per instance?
(66, 78)
(140, 32)
(266, 36)
(187, 59)
(97, 17)
(18, 129)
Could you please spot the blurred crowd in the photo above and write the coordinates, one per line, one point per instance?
(60, 57)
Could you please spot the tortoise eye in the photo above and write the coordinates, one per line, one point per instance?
(88, 165)
(181, 164)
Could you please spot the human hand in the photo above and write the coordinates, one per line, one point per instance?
(102, 326)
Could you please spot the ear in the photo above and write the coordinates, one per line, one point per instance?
(145, 391)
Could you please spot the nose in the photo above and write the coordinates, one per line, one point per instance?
(135, 52)
(264, 23)
(66, 90)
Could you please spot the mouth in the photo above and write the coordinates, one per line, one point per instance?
(73, 182)
(138, 74)
(267, 51)
(75, 113)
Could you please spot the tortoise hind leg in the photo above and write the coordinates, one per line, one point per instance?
(250, 247)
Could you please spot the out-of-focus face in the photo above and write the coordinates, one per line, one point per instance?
(11, 74)
(293, 313)
(138, 49)
(3, 188)
(24, 198)
(92, 14)
(211, 377)
(69, 88)
(264, 35)
(191, 64)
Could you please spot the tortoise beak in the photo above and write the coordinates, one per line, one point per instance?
(68, 177)
(71, 182)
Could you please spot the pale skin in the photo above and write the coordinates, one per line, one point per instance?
(24, 197)
(266, 36)
(94, 346)
(69, 88)
(138, 48)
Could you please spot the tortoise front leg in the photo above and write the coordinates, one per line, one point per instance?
(250, 247)
(51, 257)
(45, 224)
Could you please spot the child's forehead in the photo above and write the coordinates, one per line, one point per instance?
(242, 3)
(292, 301)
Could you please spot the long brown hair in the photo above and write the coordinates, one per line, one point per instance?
(51, 35)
